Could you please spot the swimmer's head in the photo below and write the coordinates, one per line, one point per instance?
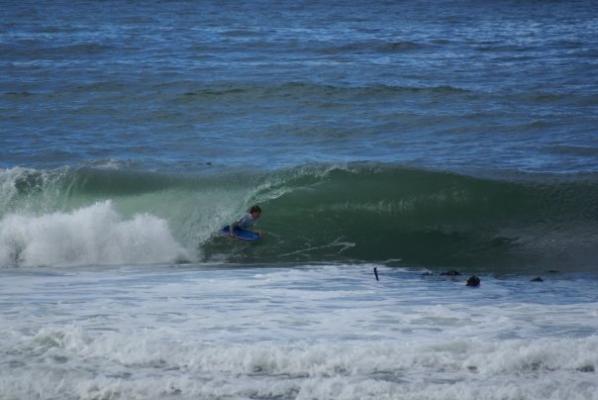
(255, 212)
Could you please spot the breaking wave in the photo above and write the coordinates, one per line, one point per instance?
(356, 212)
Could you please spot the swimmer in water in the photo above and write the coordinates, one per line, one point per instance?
(247, 221)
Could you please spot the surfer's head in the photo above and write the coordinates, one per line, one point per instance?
(473, 281)
(255, 211)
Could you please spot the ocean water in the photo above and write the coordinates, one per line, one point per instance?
(315, 331)
(412, 137)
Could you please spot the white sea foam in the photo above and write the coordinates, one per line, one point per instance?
(96, 234)
(155, 362)
(300, 333)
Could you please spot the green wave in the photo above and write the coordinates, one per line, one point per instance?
(332, 213)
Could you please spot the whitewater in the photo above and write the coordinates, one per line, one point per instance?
(300, 332)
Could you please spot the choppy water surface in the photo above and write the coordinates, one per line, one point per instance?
(175, 85)
(294, 333)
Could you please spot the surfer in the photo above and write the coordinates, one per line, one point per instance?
(247, 221)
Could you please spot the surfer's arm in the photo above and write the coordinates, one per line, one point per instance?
(244, 223)
(233, 226)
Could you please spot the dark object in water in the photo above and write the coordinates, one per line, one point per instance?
(537, 279)
(553, 271)
(376, 273)
(473, 281)
(451, 273)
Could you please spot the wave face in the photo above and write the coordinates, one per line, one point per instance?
(433, 218)
(356, 212)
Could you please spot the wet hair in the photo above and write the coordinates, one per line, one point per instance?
(255, 208)
(473, 281)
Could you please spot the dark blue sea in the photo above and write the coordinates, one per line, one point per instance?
(412, 137)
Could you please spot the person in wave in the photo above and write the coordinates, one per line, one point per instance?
(247, 221)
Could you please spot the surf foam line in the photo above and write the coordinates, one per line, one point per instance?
(152, 366)
(320, 212)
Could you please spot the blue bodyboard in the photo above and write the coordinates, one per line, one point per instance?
(241, 234)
